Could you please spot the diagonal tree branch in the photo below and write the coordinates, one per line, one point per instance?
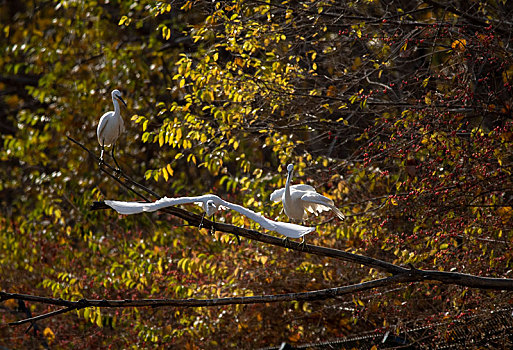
(195, 219)
(454, 278)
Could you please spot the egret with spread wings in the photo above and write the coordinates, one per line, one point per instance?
(211, 204)
(299, 200)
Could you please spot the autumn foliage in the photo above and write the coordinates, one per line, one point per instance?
(400, 111)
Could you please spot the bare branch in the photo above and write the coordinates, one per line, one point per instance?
(410, 275)
(260, 299)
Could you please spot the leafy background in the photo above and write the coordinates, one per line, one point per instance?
(399, 111)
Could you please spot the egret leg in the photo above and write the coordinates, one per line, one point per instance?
(101, 156)
(238, 238)
(201, 222)
(115, 161)
(303, 243)
(212, 228)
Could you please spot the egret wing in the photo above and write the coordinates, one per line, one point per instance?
(316, 203)
(276, 195)
(250, 214)
(292, 230)
(104, 120)
(316, 208)
(122, 128)
(302, 187)
(316, 198)
(283, 228)
(129, 208)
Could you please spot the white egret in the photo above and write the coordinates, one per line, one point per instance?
(211, 204)
(300, 199)
(111, 126)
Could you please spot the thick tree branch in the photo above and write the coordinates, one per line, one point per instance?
(260, 299)
(410, 275)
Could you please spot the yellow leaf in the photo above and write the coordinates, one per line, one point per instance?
(459, 45)
(121, 21)
(164, 173)
(295, 337)
(161, 139)
(169, 170)
(178, 135)
(98, 317)
(11, 303)
(49, 335)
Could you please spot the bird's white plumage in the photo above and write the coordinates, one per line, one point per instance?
(299, 200)
(206, 202)
(111, 124)
(277, 195)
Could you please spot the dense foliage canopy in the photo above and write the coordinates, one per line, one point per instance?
(400, 111)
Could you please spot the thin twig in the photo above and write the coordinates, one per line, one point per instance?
(104, 165)
(43, 316)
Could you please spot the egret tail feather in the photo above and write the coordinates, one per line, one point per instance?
(338, 213)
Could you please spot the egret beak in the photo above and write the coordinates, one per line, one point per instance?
(119, 98)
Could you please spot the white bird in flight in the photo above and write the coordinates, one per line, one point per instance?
(111, 126)
(300, 199)
(211, 204)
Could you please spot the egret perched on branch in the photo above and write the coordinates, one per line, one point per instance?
(111, 126)
(300, 199)
(211, 204)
